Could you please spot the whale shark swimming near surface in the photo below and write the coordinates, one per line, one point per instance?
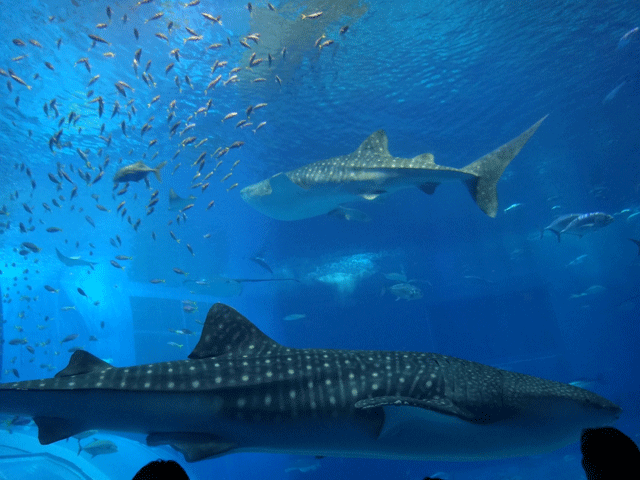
(240, 391)
(322, 187)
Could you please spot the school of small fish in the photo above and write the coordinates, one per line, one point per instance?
(130, 112)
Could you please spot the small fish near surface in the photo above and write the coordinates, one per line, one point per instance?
(321, 187)
(578, 224)
(369, 404)
(136, 172)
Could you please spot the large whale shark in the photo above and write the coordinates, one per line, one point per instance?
(322, 187)
(240, 391)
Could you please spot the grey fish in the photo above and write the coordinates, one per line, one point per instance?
(74, 261)
(370, 171)
(176, 202)
(587, 223)
(98, 447)
(240, 391)
(136, 172)
(406, 291)
(349, 214)
(559, 224)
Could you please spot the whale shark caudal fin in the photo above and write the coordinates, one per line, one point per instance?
(488, 169)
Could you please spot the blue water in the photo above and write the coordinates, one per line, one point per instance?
(454, 78)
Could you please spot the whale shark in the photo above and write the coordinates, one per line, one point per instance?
(241, 391)
(371, 171)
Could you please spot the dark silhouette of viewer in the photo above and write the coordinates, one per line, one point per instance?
(161, 469)
(608, 454)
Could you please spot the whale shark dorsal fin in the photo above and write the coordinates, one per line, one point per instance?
(376, 143)
(173, 195)
(82, 362)
(226, 331)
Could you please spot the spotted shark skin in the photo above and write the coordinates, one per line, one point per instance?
(240, 391)
(322, 187)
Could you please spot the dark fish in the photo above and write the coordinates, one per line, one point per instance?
(81, 292)
(117, 265)
(31, 246)
(69, 338)
(90, 220)
(98, 39)
(180, 272)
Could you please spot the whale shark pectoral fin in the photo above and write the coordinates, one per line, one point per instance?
(52, 429)
(403, 414)
(281, 182)
(441, 405)
(429, 188)
(194, 446)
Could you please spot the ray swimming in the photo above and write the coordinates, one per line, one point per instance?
(240, 391)
(322, 187)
